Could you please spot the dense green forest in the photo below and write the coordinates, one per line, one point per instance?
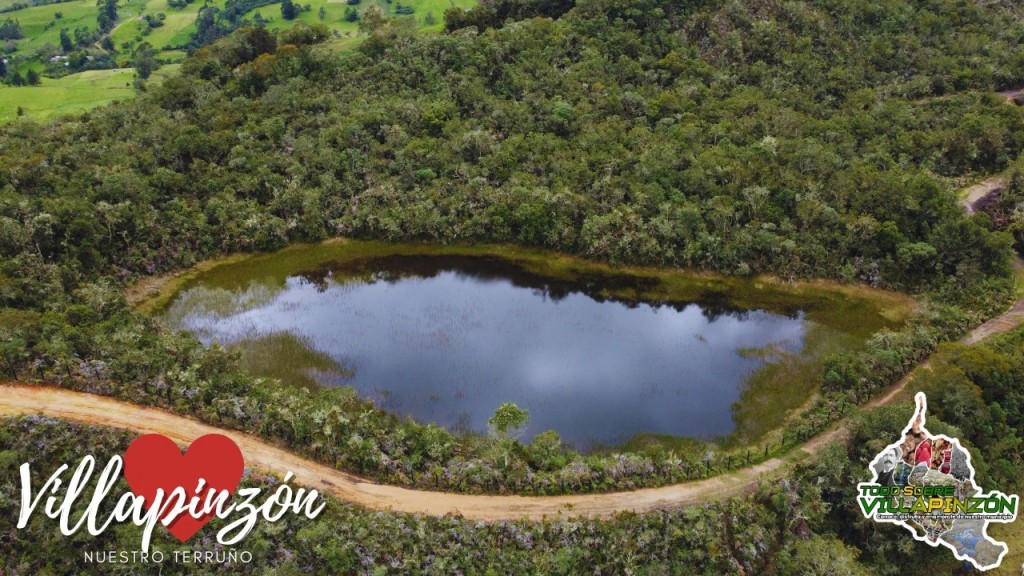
(712, 137)
(801, 139)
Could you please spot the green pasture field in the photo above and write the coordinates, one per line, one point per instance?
(39, 25)
(335, 12)
(72, 94)
(66, 95)
(179, 24)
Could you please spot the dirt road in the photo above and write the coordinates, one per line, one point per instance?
(102, 410)
(93, 409)
(979, 191)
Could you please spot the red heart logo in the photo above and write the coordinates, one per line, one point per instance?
(154, 461)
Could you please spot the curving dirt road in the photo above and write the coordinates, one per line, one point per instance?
(102, 410)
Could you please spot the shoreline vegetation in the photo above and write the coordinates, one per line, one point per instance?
(151, 294)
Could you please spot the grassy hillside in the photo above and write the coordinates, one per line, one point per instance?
(41, 27)
(66, 95)
(178, 25)
(71, 94)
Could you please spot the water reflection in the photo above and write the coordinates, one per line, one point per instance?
(447, 340)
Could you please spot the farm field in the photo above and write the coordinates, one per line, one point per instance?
(179, 24)
(72, 94)
(335, 12)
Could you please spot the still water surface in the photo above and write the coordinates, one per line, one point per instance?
(448, 339)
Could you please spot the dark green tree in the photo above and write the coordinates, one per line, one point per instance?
(108, 14)
(144, 60)
(10, 30)
(506, 425)
(289, 10)
(66, 44)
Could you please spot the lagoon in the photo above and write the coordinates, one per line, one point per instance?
(446, 338)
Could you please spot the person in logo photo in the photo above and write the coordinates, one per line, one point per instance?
(917, 448)
(942, 456)
(923, 453)
(886, 467)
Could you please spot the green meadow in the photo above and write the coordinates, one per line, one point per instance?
(72, 94)
(179, 24)
(334, 12)
(40, 26)
(66, 95)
